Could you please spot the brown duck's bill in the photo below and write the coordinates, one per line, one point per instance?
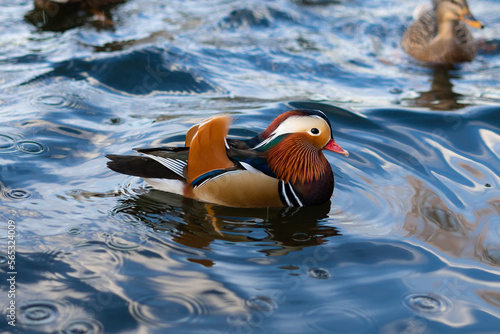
(470, 20)
(334, 147)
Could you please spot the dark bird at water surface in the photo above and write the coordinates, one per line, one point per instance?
(58, 15)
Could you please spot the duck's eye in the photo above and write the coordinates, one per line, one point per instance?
(314, 131)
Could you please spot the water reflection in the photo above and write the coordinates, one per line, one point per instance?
(492, 297)
(197, 225)
(138, 72)
(440, 96)
(145, 287)
(85, 304)
(431, 219)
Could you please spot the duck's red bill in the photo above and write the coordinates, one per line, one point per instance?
(334, 147)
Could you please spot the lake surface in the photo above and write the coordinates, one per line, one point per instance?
(410, 242)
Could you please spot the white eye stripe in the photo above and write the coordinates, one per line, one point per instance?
(295, 124)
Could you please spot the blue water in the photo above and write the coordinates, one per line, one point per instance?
(410, 242)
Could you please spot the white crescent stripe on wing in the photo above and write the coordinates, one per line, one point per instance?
(175, 165)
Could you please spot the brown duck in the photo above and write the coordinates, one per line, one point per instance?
(440, 36)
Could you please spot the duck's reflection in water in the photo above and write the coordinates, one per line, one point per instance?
(432, 220)
(195, 224)
(440, 96)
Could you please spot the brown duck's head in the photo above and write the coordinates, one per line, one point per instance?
(454, 10)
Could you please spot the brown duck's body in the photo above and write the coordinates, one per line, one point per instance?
(421, 42)
(440, 35)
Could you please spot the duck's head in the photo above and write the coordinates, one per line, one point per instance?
(309, 126)
(454, 10)
(294, 142)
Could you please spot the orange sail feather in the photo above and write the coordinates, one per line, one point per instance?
(207, 150)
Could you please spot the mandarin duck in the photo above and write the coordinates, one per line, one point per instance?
(439, 35)
(282, 166)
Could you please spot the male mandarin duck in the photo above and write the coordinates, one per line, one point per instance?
(282, 166)
(439, 35)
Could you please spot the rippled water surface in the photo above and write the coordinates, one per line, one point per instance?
(410, 242)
